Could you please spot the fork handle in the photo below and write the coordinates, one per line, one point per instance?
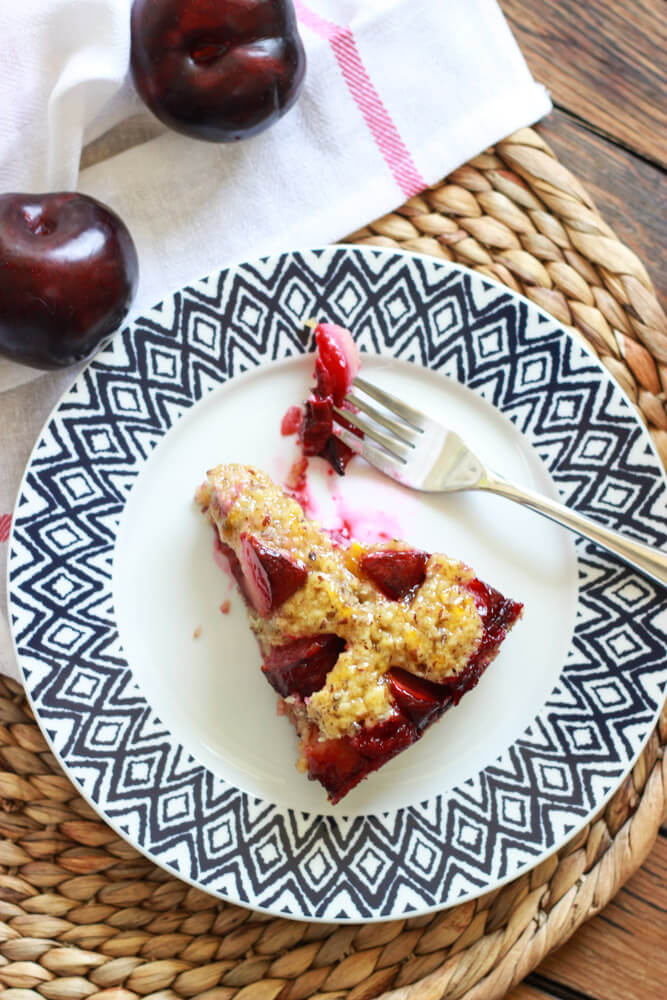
(647, 560)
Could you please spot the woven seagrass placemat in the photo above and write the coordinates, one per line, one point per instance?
(83, 915)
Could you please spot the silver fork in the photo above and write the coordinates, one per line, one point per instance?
(420, 453)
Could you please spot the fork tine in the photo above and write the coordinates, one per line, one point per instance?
(394, 405)
(390, 443)
(386, 463)
(399, 429)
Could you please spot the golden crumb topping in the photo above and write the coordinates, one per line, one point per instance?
(433, 632)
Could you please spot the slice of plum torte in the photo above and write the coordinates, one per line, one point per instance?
(366, 645)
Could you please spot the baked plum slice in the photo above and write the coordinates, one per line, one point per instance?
(397, 573)
(341, 764)
(270, 576)
(300, 667)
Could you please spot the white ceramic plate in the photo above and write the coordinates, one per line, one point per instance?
(176, 739)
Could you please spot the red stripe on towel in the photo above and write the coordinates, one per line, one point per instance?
(377, 118)
(5, 525)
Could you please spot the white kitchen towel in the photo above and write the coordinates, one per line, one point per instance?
(397, 94)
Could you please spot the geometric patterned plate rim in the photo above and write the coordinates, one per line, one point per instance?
(497, 823)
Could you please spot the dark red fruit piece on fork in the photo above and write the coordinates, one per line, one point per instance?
(395, 572)
(317, 425)
(337, 361)
(301, 666)
(270, 576)
(337, 454)
(419, 700)
(68, 273)
(219, 70)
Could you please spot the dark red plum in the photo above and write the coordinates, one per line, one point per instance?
(68, 273)
(217, 71)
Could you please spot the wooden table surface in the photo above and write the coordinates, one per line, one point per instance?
(603, 61)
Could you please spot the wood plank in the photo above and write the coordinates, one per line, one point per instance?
(620, 954)
(603, 62)
(630, 194)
